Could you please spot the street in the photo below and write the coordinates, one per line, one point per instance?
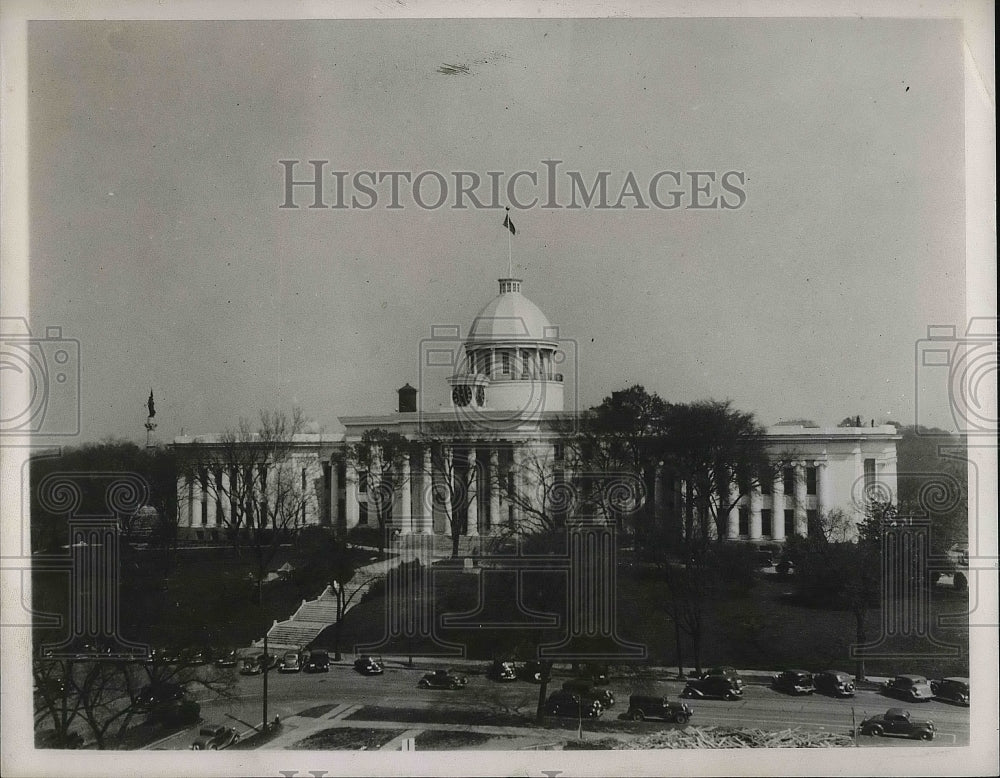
(308, 702)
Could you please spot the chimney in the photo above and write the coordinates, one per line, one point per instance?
(407, 399)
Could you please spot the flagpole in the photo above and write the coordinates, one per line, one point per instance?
(510, 263)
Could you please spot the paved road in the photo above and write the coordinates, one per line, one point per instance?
(342, 697)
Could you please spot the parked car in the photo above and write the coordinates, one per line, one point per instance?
(908, 687)
(368, 665)
(215, 738)
(794, 682)
(723, 670)
(291, 662)
(645, 706)
(588, 691)
(251, 666)
(563, 703)
(442, 679)
(953, 689)
(721, 686)
(502, 670)
(532, 671)
(157, 694)
(227, 659)
(834, 682)
(897, 721)
(317, 662)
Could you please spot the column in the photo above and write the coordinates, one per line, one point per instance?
(211, 495)
(733, 526)
(351, 497)
(427, 494)
(801, 527)
(778, 506)
(493, 483)
(822, 488)
(472, 516)
(405, 503)
(448, 485)
(203, 501)
(755, 506)
(658, 489)
(334, 492)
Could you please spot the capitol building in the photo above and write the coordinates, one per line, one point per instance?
(487, 460)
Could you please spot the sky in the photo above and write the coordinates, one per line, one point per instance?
(157, 240)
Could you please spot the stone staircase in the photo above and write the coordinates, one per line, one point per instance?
(313, 616)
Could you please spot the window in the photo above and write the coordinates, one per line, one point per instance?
(766, 483)
(765, 522)
(363, 513)
(810, 480)
(363, 481)
(869, 474)
(812, 523)
(788, 476)
(506, 363)
(557, 452)
(789, 519)
(744, 520)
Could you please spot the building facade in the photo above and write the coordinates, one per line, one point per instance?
(493, 459)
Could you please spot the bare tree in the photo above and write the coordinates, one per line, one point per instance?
(260, 488)
(380, 456)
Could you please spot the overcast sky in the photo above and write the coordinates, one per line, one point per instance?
(157, 239)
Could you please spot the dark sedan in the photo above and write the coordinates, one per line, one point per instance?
(369, 665)
(567, 704)
(215, 738)
(442, 679)
(588, 691)
(897, 721)
(952, 689)
(719, 686)
(836, 683)
(645, 706)
(794, 682)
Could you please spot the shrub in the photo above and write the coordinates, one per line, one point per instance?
(365, 536)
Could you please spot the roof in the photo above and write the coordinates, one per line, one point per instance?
(510, 316)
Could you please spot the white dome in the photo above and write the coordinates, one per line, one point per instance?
(511, 316)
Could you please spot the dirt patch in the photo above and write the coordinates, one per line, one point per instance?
(348, 739)
(450, 740)
(317, 710)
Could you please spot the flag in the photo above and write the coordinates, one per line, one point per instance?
(150, 405)
(509, 224)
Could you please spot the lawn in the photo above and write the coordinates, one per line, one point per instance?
(449, 740)
(760, 628)
(347, 739)
(202, 596)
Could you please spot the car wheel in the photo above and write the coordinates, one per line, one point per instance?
(453, 686)
(875, 730)
(214, 747)
(682, 718)
(731, 695)
(926, 736)
(638, 715)
(424, 685)
(196, 747)
(687, 694)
